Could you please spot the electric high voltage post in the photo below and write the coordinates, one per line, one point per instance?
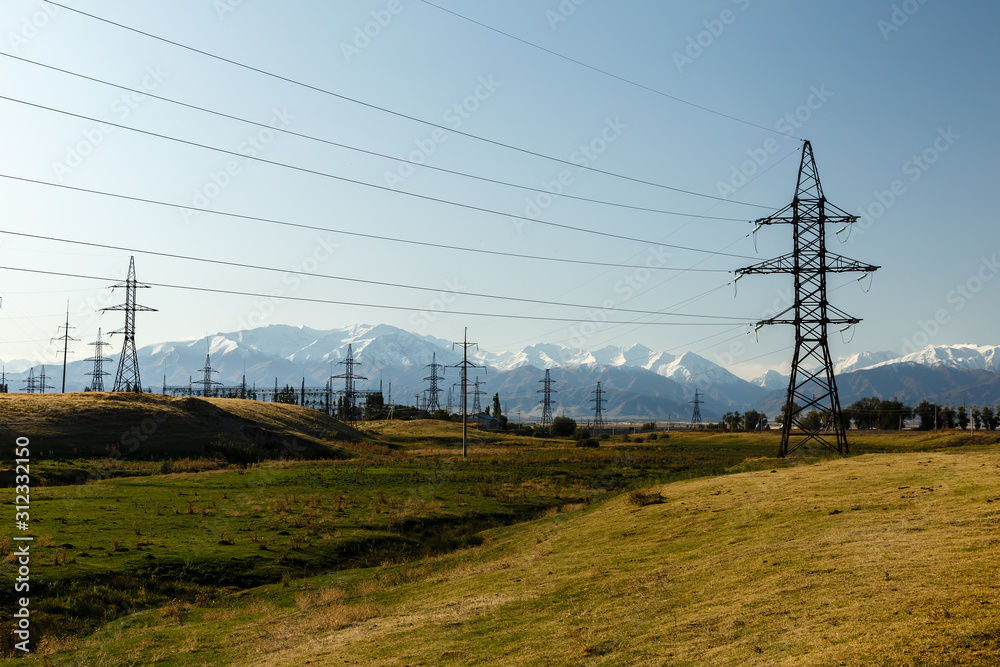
(127, 378)
(477, 393)
(696, 413)
(547, 401)
(598, 407)
(811, 385)
(66, 338)
(97, 383)
(465, 365)
(433, 391)
(349, 377)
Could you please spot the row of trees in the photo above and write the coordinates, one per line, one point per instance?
(751, 420)
(875, 413)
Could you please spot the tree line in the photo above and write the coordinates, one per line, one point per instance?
(875, 413)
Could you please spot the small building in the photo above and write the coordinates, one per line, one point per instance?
(484, 422)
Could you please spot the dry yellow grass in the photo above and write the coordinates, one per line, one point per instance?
(875, 560)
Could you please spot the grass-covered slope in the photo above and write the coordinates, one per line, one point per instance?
(872, 560)
(149, 426)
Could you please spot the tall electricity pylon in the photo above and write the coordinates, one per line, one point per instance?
(465, 365)
(547, 401)
(433, 404)
(97, 384)
(598, 407)
(66, 338)
(207, 383)
(812, 379)
(477, 405)
(696, 414)
(127, 378)
(349, 377)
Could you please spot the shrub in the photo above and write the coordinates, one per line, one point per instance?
(563, 426)
(588, 442)
(643, 498)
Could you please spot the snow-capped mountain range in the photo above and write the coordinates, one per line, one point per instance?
(638, 382)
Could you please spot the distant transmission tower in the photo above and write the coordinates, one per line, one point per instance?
(34, 384)
(547, 401)
(465, 365)
(207, 383)
(477, 406)
(433, 391)
(696, 415)
(598, 407)
(349, 377)
(65, 338)
(809, 263)
(97, 384)
(31, 382)
(127, 378)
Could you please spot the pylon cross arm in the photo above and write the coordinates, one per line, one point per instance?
(783, 264)
(840, 264)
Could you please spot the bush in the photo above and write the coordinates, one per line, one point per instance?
(652, 436)
(588, 442)
(643, 498)
(563, 426)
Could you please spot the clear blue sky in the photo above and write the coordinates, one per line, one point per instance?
(871, 84)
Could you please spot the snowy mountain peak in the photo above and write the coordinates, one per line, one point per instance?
(861, 360)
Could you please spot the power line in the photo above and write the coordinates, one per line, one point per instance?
(369, 152)
(379, 283)
(395, 113)
(316, 172)
(302, 299)
(442, 246)
(603, 71)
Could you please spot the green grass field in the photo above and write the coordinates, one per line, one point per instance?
(387, 547)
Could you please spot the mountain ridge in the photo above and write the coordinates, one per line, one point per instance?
(640, 382)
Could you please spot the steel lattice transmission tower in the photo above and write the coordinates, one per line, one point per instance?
(812, 379)
(127, 378)
(547, 401)
(477, 405)
(206, 381)
(98, 373)
(598, 407)
(433, 391)
(696, 414)
(349, 377)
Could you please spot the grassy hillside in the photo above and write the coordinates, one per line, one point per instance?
(152, 427)
(878, 559)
